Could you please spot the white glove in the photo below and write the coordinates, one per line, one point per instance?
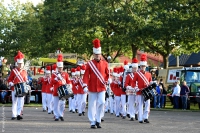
(11, 84)
(109, 81)
(56, 78)
(137, 89)
(119, 82)
(85, 89)
(128, 87)
(151, 82)
(51, 88)
(59, 76)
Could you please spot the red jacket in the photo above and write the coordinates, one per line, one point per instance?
(13, 78)
(42, 81)
(116, 88)
(129, 80)
(74, 89)
(90, 78)
(122, 92)
(58, 83)
(80, 86)
(141, 83)
(48, 85)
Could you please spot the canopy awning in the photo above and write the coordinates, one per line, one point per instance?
(52, 60)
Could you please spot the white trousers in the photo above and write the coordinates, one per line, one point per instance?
(117, 105)
(81, 102)
(123, 103)
(70, 103)
(16, 105)
(111, 106)
(49, 102)
(107, 105)
(44, 101)
(143, 114)
(114, 104)
(74, 103)
(22, 104)
(96, 101)
(59, 107)
(131, 105)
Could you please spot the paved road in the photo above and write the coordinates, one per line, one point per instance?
(160, 122)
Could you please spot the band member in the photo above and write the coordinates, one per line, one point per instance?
(49, 89)
(81, 95)
(74, 89)
(115, 85)
(95, 78)
(59, 79)
(17, 75)
(131, 87)
(123, 93)
(44, 92)
(143, 79)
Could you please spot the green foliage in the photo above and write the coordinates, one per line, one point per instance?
(156, 26)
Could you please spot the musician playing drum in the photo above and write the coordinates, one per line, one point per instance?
(59, 79)
(143, 79)
(18, 75)
(131, 91)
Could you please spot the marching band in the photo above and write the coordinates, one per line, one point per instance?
(119, 92)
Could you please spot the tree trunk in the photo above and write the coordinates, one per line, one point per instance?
(165, 61)
(134, 51)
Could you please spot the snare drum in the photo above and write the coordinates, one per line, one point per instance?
(149, 93)
(130, 92)
(20, 89)
(64, 92)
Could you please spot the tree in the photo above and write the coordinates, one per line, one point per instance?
(170, 24)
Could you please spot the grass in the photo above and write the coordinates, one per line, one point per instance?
(168, 106)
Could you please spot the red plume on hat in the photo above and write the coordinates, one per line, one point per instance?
(78, 69)
(83, 67)
(20, 57)
(126, 66)
(59, 60)
(54, 67)
(118, 72)
(96, 46)
(143, 60)
(96, 43)
(73, 71)
(135, 62)
(48, 69)
(114, 71)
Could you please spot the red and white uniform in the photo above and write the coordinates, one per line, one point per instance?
(140, 99)
(123, 98)
(96, 89)
(74, 89)
(132, 100)
(58, 79)
(49, 94)
(17, 75)
(43, 81)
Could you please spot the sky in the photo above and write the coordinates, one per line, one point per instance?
(35, 2)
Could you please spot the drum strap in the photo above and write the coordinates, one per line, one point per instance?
(131, 75)
(17, 74)
(143, 78)
(62, 79)
(81, 82)
(96, 71)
